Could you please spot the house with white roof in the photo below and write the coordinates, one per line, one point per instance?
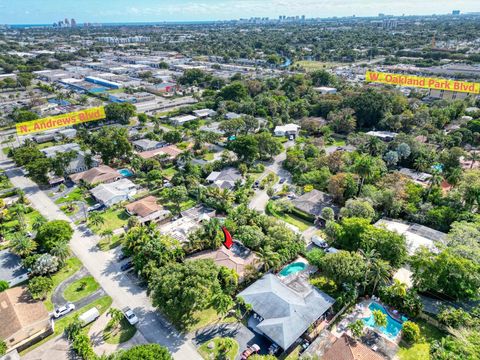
(286, 130)
(113, 193)
(78, 164)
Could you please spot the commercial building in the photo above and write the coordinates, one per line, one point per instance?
(103, 82)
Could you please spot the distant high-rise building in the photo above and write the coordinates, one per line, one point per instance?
(67, 23)
(456, 12)
(303, 17)
(60, 23)
(73, 23)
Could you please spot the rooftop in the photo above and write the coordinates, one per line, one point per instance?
(144, 207)
(346, 348)
(96, 175)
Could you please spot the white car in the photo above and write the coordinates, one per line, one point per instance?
(65, 309)
(130, 316)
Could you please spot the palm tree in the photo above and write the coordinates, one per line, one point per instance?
(363, 167)
(37, 223)
(399, 288)
(369, 256)
(95, 219)
(435, 180)
(375, 146)
(222, 303)
(421, 163)
(20, 210)
(22, 245)
(61, 251)
(380, 273)
(116, 316)
(474, 156)
(270, 259)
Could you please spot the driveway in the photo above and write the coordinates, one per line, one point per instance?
(57, 296)
(260, 199)
(55, 349)
(106, 270)
(243, 335)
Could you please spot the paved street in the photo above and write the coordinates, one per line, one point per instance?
(106, 270)
(260, 199)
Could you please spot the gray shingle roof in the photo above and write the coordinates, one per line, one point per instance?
(287, 314)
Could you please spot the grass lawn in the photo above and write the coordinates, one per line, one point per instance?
(168, 173)
(70, 210)
(110, 243)
(301, 224)
(114, 219)
(75, 195)
(200, 319)
(421, 350)
(338, 142)
(80, 288)
(5, 150)
(315, 65)
(10, 228)
(101, 304)
(215, 351)
(45, 145)
(72, 265)
(117, 336)
(208, 157)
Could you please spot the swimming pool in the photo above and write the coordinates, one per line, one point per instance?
(125, 172)
(393, 326)
(293, 268)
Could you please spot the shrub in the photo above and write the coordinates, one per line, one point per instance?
(410, 332)
(39, 287)
(3, 285)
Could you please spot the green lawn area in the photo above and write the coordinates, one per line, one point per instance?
(301, 224)
(10, 228)
(45, 145)
(5, 182)
(421, 350)
(75, 195)
(168, 173)
(80, 289)
(110, 243)
(72, 265)
(315, 65)
(101, 304)
(200, 319)
(123, 333)
(214, 353)
(114, 219)
(338, 142)
(5, 150)
(208, 157)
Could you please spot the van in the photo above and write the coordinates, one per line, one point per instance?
(89, 316)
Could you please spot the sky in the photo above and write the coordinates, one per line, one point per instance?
(106, 11)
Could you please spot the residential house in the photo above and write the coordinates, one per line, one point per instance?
(346, 348)
(383, 135)
(417, 176)
(78, 164)
(11, 269)
(101, 174)
(232, 115)
(169, 152)
(182, 119)
(237, 258)
(147, 144)
(313, 202)
(113, 193)
(286, 311)
(147, 210)
(204, 113)
(24, 320)
(416, 235)
(224, 179)
(325, 90)
(287, 130)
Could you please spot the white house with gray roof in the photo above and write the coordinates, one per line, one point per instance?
(113, 193)
(286, 311)
(78, 164)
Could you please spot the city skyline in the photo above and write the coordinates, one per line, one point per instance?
(109, 11)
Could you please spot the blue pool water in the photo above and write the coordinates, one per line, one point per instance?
(393, 326)
(293, 268)
(125, 172)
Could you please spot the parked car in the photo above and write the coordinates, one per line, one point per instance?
(275, 197)
(273, 349)
(122, 256)
(128, 265)
(282, 180)
(317, 240)
(291, 137)
(256, 184)
(89, 316)
(250, 351)
(130, 316)
(63, 310)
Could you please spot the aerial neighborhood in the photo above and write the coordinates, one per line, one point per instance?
(257, 188)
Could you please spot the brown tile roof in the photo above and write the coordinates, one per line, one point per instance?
(19, 310)
(144, 207)
(96, 175)
(345, 348)
(171, 151)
